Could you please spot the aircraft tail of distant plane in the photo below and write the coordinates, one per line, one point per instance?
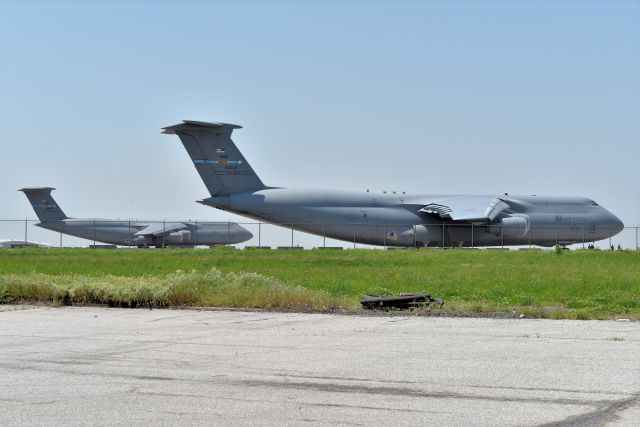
(43, 203)
(220, 164)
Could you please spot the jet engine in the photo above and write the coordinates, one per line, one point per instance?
(398, 235)
(409, 235)
(179, 237)
(136, 241)
(513, 226)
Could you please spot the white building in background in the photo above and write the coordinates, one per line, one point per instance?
(21, 243)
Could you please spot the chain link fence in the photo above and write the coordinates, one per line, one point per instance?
(267, 235)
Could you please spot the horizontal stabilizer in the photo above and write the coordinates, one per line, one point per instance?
(193, 124)
(159, 228)
(466, 208)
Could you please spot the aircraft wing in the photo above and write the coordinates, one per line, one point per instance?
(466, 208)
(159, 228)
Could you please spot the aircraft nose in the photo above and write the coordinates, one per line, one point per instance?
(242, 234)
(611, 223)
(618, 225)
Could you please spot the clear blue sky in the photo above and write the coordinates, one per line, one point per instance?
(432, 97)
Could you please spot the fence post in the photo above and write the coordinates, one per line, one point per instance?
(384, 232)
(354, 236)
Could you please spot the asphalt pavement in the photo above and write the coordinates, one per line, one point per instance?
(90, 365)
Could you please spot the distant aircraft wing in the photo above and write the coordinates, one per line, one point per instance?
(466, 208)
(159, 228)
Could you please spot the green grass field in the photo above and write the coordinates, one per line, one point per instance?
(573, 284)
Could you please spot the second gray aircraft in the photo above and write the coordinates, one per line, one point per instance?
(132, 233)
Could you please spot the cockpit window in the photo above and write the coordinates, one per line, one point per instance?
(593, 203)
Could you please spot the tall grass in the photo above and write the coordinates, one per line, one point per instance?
(211, 288)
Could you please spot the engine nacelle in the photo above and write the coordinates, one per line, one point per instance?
(515, 226)
(424, 234)
(179, 237)
(402, 235)
(136, 240)
(408, 235)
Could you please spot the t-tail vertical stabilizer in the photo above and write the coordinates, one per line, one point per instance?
(43, 203)
(220, 164)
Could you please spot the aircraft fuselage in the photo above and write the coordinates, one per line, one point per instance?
(395, 220)
(117, 232)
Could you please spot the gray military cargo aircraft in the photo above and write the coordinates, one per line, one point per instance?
(132, 233)
(388, 219)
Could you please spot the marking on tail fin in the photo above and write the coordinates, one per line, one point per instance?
(45, 205)
(218, 162)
